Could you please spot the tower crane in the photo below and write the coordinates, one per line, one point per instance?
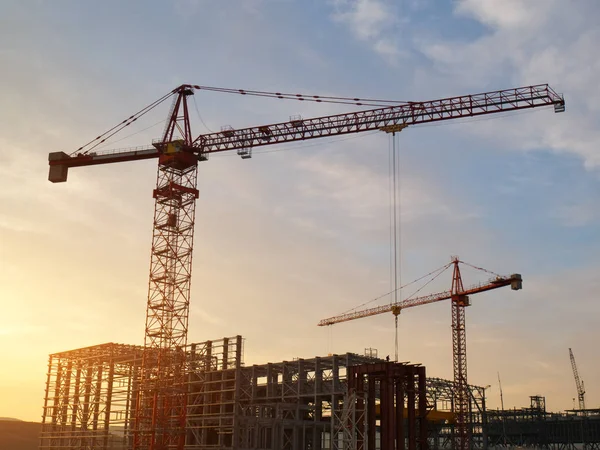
(578, 382)
(160, 407)
(459, 297)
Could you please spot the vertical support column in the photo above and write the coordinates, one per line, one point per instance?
(75, 413)
(318, 432)
(57, 386)
(335, 375)
(132, 374)
(225, 353)
(410, 402)
(66, 395)
(96, 404)
(237, 392)
(221, 395)
(484, 422)
(286, 380)
(422, 415)
(360, 410)
(371, 416)
(209, 361)
(85, 417)
(400, 437)
(107, 405)
(301, 377)
(390, 410)
(270, 387)
(384, 424)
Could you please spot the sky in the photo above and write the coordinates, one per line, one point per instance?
(301, 232)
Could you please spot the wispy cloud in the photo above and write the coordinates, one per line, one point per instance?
(522, 46)
(371, 21)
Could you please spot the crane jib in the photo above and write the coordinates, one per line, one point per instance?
(244, 139)
(515, 281)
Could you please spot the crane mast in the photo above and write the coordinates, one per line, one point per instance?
(160, 407)
(578, 382)
(161, 400)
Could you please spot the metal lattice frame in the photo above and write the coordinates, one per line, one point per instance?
(88, 399)
(534, 427)
(459, 349)
(289, 404)
(161, 403)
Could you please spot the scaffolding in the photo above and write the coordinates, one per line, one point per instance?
(289, 405)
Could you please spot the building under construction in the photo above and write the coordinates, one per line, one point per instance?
(331, 402)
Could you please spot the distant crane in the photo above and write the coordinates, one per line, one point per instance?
(459, 297)
(504, 437)
(160, 409)
(578, 382)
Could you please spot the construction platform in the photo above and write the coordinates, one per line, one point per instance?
(322, 403)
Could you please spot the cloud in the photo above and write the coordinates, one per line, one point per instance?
(505, 14)
(371, 21)
(522, 45)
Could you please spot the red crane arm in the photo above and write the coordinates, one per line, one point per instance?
(411, 113)
(514, 281)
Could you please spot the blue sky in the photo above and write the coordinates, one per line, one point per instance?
(293, 236)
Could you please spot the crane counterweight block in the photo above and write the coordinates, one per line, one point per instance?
(516, 282)
(58, 172)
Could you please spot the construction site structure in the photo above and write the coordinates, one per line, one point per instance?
(459, 297)
(578, 382)
(534, 427)
(336, 402)
(160, 413)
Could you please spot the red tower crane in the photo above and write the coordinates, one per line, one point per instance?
(459, 297)
(161, 402)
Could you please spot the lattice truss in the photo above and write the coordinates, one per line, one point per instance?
(88, 399)
(160, 418)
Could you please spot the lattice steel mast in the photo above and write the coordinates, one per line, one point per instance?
(161, 403)
(160, 408)
(459, 350)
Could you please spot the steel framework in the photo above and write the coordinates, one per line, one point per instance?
(534, 427)
(90, 398)
(402, 406)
